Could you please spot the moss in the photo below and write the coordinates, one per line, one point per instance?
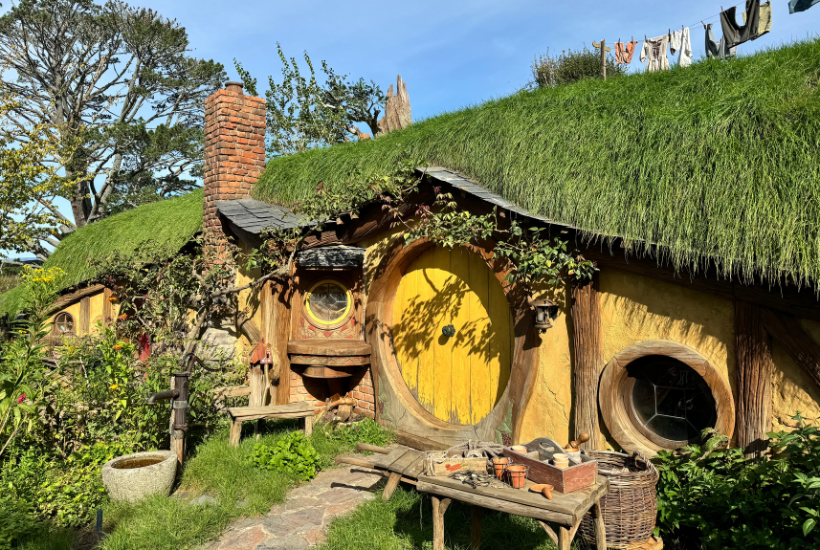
(716, 163)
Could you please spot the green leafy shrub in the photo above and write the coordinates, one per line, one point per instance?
(367, 431)
(549, 71)
(292, 453)
(17, 520)
(711, 497)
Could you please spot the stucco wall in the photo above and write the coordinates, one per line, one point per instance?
(794, 390)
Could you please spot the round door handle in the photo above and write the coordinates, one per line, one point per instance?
(449, 330)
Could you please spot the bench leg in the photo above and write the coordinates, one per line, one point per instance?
(564, 538)
(439, 507)
(392, 483)
(475, 527)
(236, 432)
(308, 425)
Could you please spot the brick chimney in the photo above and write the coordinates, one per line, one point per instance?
(234, 154)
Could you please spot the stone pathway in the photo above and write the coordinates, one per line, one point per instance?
(302, 520)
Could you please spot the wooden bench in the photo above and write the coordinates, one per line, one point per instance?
(293, 410)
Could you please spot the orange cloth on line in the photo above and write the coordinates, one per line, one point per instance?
(623, 52)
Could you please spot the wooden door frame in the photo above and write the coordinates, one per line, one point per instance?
(394, 399)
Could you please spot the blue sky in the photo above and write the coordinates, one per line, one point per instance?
(451, 53)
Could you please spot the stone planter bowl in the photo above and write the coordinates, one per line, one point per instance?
(125, 480)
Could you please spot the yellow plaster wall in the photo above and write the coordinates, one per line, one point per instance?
(635, 309)
(249, 299)
(793, 390)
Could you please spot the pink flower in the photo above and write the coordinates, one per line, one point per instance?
(21, 398)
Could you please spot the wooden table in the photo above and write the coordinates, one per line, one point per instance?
(565, 510)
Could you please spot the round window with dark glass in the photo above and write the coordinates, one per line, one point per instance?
(668, 401)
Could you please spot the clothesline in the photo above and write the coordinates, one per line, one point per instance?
(701, 21)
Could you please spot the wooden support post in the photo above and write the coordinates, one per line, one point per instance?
(587, 354)
(439, 508)
(754, 369)
(564, 538)
(392, 483)
(603, 59)
(475, 527)
(308, 426)
(600, 526)
(85, 316)
(257, 382)
(108, 314)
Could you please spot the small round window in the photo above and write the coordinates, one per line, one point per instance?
(668, 401)
(328, 302)
(64, 323)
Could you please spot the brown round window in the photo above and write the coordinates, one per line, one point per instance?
(64, 323)
(668, 401)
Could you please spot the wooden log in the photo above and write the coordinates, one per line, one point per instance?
(420, 443)
(392, 483)
(277, 298)
(798, 343)
(475, 527)
(588, 354)
(754, 370)
(372, 448)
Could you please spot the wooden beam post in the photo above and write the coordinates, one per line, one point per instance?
(85, 316)
(587, 355)
(754, 368)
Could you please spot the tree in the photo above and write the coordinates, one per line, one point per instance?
(27, 180)
(571, 66)
(120, 82)
(303, 114)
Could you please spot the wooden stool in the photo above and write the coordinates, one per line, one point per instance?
(294, 410)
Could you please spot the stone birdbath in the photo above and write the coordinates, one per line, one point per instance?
(138, 475)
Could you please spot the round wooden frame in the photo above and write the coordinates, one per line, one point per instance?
(615, 384)
(394, 393)
(60, 318)
(316, 322)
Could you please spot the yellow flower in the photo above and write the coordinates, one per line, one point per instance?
(114, 387)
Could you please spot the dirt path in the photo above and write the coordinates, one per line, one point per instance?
(302, 520)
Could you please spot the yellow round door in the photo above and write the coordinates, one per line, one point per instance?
(460, 377)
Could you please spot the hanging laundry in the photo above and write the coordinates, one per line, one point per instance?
(625, 51)
(653, 53)
(733, 33)
(801, 5)
(765, 18)
(718, 49)
(680, 40)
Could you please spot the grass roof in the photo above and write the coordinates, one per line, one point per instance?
(168, 224)
(717, 163)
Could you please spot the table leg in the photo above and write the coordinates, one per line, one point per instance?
(548, 530)
(600, 528)
(392, 483)
(564, 538)
(439, 507)
(475, 527)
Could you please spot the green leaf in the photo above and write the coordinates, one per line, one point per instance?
(808, 526)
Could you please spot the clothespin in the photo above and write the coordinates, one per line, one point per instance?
(702, 23)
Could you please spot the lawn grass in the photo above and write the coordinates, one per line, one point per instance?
(220, 471)
(406, 522)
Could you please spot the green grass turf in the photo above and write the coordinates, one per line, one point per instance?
(716, 163)
(406, 522)
(166, 225)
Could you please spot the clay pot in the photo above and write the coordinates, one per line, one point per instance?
(544, 489)
(517, 475)
(560, 460)
(499, 465)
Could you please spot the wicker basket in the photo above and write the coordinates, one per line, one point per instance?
(630, 507)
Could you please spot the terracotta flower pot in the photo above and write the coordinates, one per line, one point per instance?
(499, 465)
(517, 475)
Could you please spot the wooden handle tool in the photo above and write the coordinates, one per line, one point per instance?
(583, 438)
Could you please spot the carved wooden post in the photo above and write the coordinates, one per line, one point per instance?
(754, 379)
(587, 354)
